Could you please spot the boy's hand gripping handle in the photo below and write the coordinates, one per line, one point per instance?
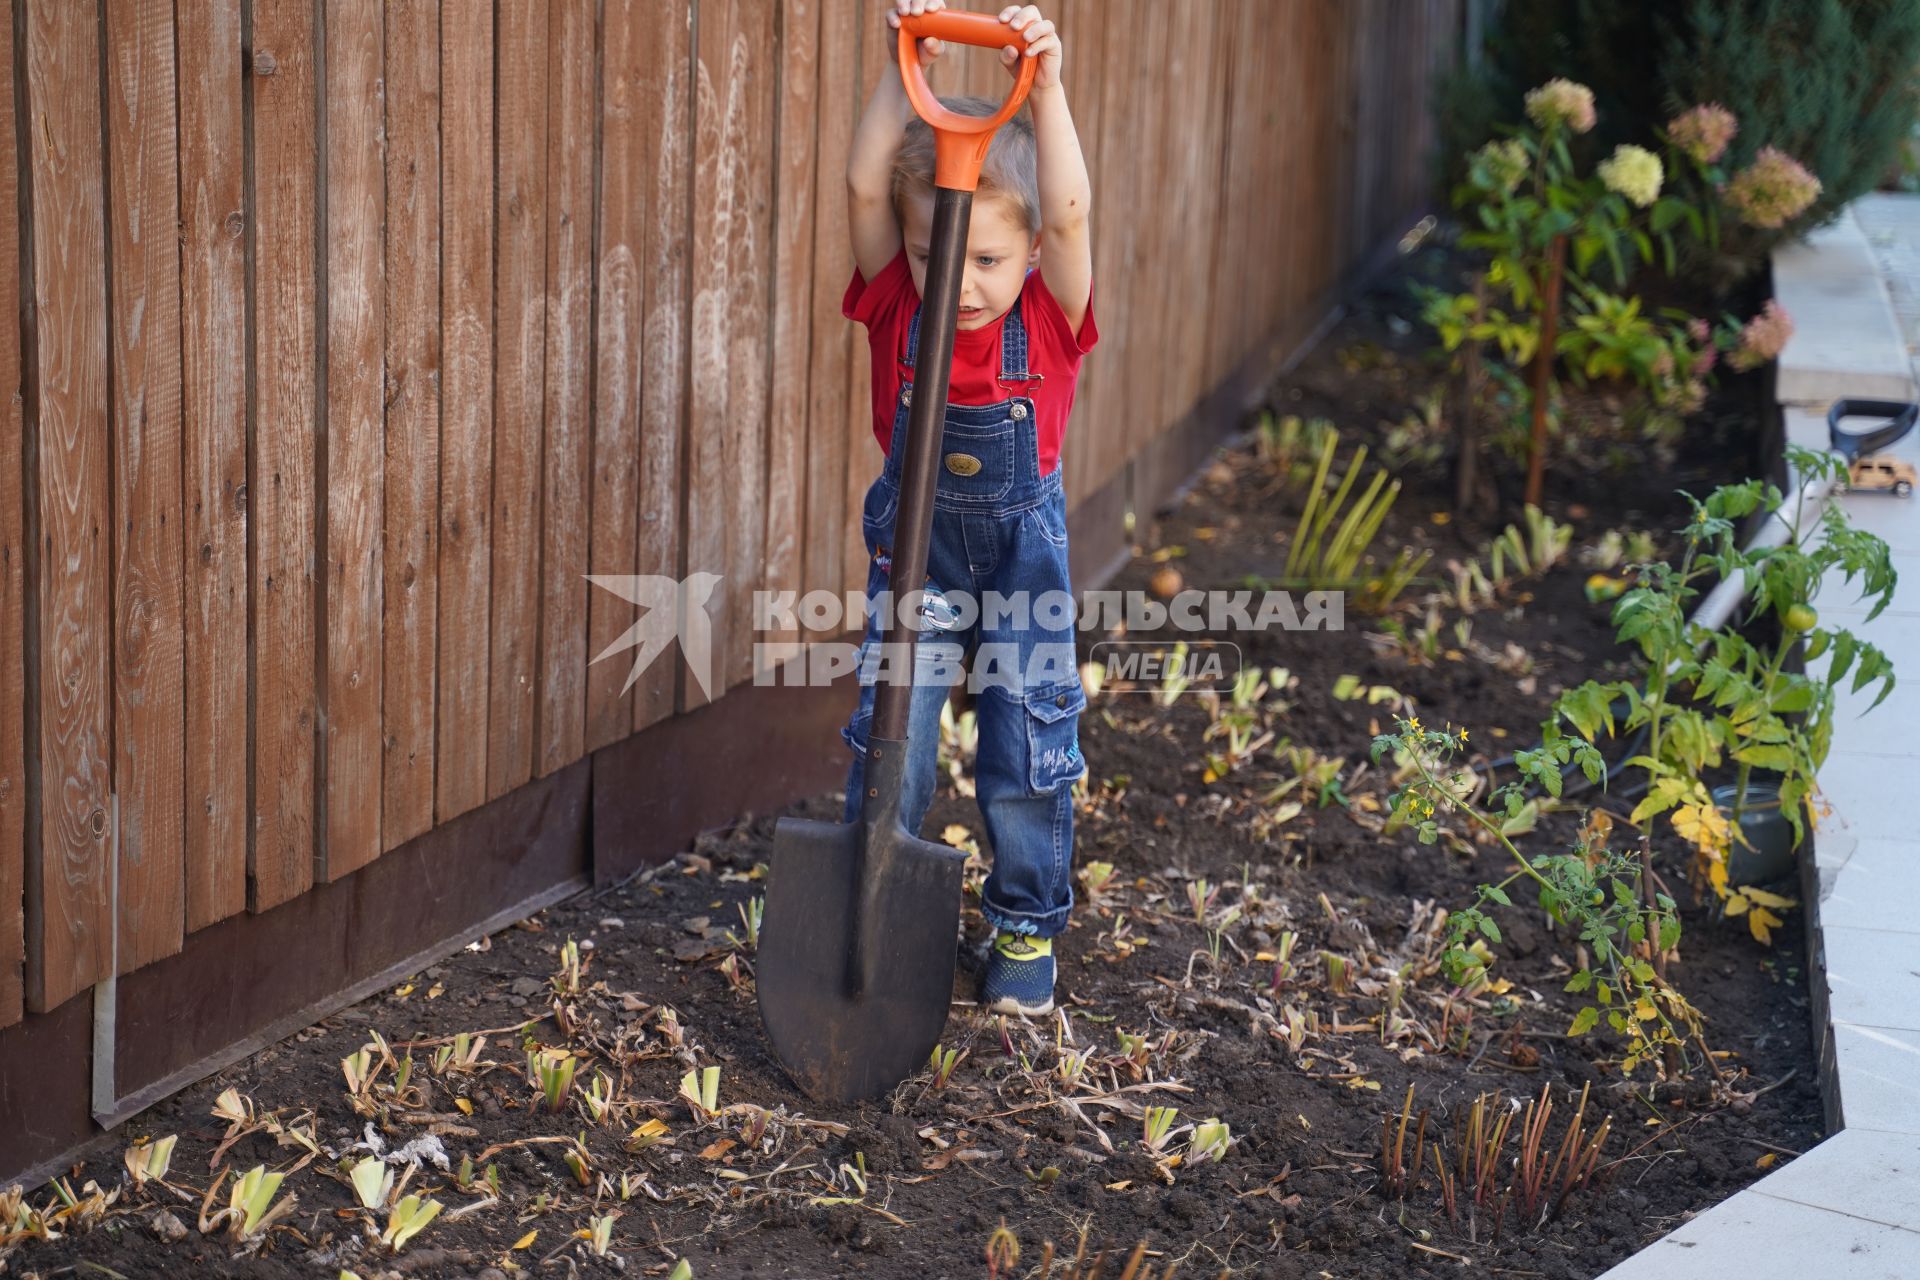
(959, 141)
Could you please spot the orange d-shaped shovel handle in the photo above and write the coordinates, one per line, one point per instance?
(959, 141)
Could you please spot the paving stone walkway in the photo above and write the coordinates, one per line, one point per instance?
(1850, 1208)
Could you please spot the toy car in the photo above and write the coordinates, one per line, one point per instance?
(1867, 471)
(1878, 475)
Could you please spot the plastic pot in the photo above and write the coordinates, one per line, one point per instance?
(1767, 854)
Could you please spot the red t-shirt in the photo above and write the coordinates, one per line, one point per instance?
(886, 307)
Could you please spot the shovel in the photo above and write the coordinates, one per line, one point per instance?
(856, 959)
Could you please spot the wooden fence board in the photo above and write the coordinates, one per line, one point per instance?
(831, 436)
(796, 130)
(355, 432)
(732, 233)
(667, 88)
(144, 332)
(560, 735)
(521, 341)
(863, 458)
(467, 399)
(281, 492)
(13, 563)
(213, 350)
(410, 512)
(69, 926)
(626, 203)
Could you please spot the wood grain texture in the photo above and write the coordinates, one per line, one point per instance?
(355, 430)
(626, 205)
(144, 332)
(282, 489)
(410, 536)
(69, 641)
(466, 439)
(797, 128)
(213, 351)
(520, 343)
(13, 563)
(834, 341)
(728, 483)
(667, 355)
(560, 734)
(864, 457)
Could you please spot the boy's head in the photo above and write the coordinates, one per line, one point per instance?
(1003, 241)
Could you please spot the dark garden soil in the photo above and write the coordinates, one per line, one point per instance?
(1300, 1194)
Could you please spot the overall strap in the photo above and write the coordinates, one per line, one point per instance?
(1013, 346)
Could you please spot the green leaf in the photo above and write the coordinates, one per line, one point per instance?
(1584, 1021)
(1497, 894)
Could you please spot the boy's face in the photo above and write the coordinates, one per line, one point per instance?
(999, 252)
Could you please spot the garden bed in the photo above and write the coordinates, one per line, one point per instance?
(1300, 1193)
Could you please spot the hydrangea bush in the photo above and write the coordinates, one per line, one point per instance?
(1560, 240)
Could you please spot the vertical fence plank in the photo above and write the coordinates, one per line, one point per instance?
(830, 436)
(869, 35)
(213, 351)
(797, 127)
(667, 122)
(467, 399)
(1083, 34)
(69, 943)
(144, 331)
(727, 488)
(623, 210)
(560, 734)
(355, 431)
(667, 87)
(13, 554)
(282, 489)
(1115, 231)
(517, 426)
(626, 205)
(410, 512)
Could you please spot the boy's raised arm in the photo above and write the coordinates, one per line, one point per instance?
(1066, 194)
(871, 220)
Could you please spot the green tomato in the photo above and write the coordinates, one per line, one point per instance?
(1800, 617)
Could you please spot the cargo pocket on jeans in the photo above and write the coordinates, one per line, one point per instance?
(1053, 735)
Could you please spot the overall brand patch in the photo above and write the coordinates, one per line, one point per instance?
(963, 464)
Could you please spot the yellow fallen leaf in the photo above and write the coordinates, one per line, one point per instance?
(465, 1105)
(1121, 1185)
(1264, 957)
(437, 990)
(718, 1149)
(1766, 1161)
(526, 1241)
(403, 992)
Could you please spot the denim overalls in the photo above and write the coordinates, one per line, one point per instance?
(998, 527)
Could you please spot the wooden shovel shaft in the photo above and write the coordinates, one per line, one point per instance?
(926, 423)
(912, 531)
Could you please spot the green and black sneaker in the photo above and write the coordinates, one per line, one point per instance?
(1019, 976)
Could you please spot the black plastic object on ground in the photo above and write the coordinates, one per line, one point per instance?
(1854, 445)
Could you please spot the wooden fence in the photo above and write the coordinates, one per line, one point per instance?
(355, 335)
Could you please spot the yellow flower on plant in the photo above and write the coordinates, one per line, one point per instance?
(1634, 172)
(1413, 725)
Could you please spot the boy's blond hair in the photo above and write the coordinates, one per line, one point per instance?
(1009, 173)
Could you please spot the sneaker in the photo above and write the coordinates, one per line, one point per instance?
(1019, 976)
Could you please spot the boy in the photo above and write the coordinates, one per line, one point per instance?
(999, 524)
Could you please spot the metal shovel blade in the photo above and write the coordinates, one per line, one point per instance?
(839, 1045)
